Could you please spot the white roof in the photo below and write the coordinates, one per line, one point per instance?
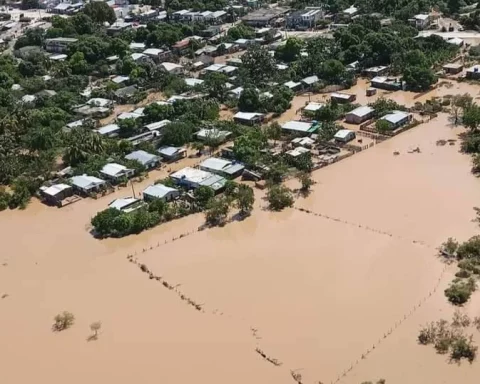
(377, 68)
(76, 123)
(137, 56)
(310, 80)
(395, 117)
(313, 106)
(122, 203)
(99, 102)
(237, 91)
(215, 163)
(342, 134)
(170, 151)
(421, 17)
(157, 125)
(340, 95)
(63, 6)
(299, 126)
(55, 189)
(108, 129)
(193, 175)
(247, 115)
(191, 82)
(60, 56)
(379, 79)
(181, 12)
(292, 84)
(215, 67)
(241, 41)
(297, 151)
(282, 67)
(120, 79)
(474, 68)
(213, 133)
(303, 141)
(351, 10)
(171, 66)
(455, 41)
(218, 14)
(86, 182)
(263, 30)
(158, 190)
(114, 169)
(142, 157)
(29, 98)
(361, 111)
(129, 115)
(153, 51)
(137, 45)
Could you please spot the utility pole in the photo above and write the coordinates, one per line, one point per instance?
(133, 189)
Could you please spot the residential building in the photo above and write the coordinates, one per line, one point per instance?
(350, 11)
(87, 184)
(397, 119)
(359, 115)
(110, 130)
(193, 82)
(306, 142)
(376, 71)
(264, 16)
(310, 81)
(248, 118)
(293, 86)
(344, 136)
(420, 21)
(160, 191)
(388, 83)
(304, 19)
(455, 41)
(118, 27)
(148, 160)
(59, 44)
(156, 54)
(453, 68)
(311, 108)
(222, 167)
(171, 154)
(193, 178)
(172, 68)
(341, 97)
(299, 127)
(125, 94)
(115, 172)
(213, 134)
(100, 102)
(157, 126)
(137, 47)
(92, 111)
(54, 194)
(298, 151)
(473, 72)
(126, 204)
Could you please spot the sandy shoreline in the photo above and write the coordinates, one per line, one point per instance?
(321, 291)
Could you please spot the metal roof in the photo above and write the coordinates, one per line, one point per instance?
(142, 157)
(114, 169)
(55, 189)
(361, 111)
(86, 182)
(395, 117)
(157, 125)
(247, 115)
(158, 190)
(299, 126)
(108, 129)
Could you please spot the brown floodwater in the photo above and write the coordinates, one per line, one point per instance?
(356, 276)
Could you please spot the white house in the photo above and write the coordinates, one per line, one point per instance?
(344, 135)
(248, 118)
(110, 130)
(397, 118)
(301, 127)
(146, 159)
(215, 134)
(157, 126)
(172, 67)
(126, 204)
(86, 184)
(194, 178)
(172, 153)
(160, 191)
(222, 167)
(114, 171)
(359, 115)
(421, 21)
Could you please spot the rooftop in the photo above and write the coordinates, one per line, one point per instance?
(361, 111)
(126, 204)
(395, 117)
(114, 169)
(313, 106)
(158, 190)
(170, 151)
(157, 125)
(342, 134)
(298, 126)
(55, 189)
(247, 115)
(86, 182)
(108, 129)
(216, 164)
(142, 157)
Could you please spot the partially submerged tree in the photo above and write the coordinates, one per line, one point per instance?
(217, 211)
(95, 327)
(279, 197)
(63, 321)
(449, 248)
(245, 199)
(306, 180)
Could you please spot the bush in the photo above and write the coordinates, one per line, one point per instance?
(449, 248)
(279, 197)
(63, 321)
(463, 348)
(459, 292)
(217, 211)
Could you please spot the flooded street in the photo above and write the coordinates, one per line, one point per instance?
(335, 289)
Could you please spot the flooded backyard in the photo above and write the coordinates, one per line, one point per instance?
(335, 289)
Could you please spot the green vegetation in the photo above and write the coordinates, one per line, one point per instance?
(279, 197)
(63, 321)
(450, 337)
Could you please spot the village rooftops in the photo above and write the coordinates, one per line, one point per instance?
(192, 82)
(475, 68)
(247, 115)
(62, 40)
(421, 17)
(215, 134)
(396, 117)
(299, 126)
(343, 134)
(99, 102)
(171, 152)
(55, 189)
(137, 46)
(351, 11)
(77, 123)
(195, 178)
(340, 95)
(292, 84)
(169, 67)
(127, 204)
(160, 191)
(157, 125)
(313, 106)
(221, 166)
(120, 79)
(310, 80)
(58, 57)
(143, 157)
(109, 130)
(115, 170)
(129, 115)
(86, 183)
(303, 141)
(362, 111)
(297, 151)
(152, 51)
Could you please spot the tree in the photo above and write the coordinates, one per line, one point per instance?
(99, 12)
(418, 78)
(449, 248)
(258, 65)
(128, 127)
(463, 348)
(63, 321)
(203, 195)
(102, 222)
(290, 51)
(95, 327)
(215, 83)
(178, 133)
(382, 126)
(306, 180)
(245, 199)
(249, 100)
(458, 105)
(471, 117)
(459, 292)
(217, 211)
(279, 197)
(247, 147)
(274, 131)
(78, 64)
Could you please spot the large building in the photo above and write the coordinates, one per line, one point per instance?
(193, 178)
(264, 16)
(222, 167)
(306, 18)
(59, 44)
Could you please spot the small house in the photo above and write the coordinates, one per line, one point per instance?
(342, 98)
(126, 204)
(350, 11)
(248, 118)
(59, 44)
(148, 160)
(453, 68)
(473, 72)
(306, 142)
(359, 115)
(371, 91)
(297, 152)
(115, 172)
(397, 119)
(376, 71)
(388, 83)
(154, 53)
(54, 194)
(170, 154)
(110, 130)
(311, 108)
(420, 21)
(299, 127)
(172, 67)
(344, 136)
(213, 134)
(193, 178)
(222, 167)
(157, 126)
(137, 47)
(293, 86)
(87, 184)
(160, 191)
(310, 81)
(125, 94)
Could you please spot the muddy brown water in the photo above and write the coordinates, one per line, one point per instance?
(318, 289)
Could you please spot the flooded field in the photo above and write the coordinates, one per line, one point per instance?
(335, 290)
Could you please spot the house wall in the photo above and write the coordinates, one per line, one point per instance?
(354, 119)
